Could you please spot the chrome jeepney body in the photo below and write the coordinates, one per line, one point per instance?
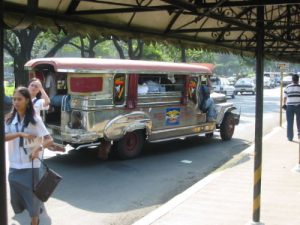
(108, 99)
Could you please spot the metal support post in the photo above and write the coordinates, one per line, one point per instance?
(281, 96)
(258, 114)
(3, 191)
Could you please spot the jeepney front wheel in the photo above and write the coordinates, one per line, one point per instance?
(130, 146)
(227, 127)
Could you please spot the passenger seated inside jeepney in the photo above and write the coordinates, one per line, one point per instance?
(149, 84)
(154, 84)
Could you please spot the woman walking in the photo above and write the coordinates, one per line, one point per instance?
(39, 97)
(22, 123)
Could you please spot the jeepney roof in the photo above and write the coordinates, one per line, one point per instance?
(94, 65)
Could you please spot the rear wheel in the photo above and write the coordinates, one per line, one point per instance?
(130, 146)
(227, 127)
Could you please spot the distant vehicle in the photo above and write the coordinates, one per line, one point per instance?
(274, 79)
(269, 82)
(232, 80)
(287, 80)
(245, 85)
(218, 97)
(222, 85)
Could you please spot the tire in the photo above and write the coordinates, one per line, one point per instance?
(130, 146)
(227, 127)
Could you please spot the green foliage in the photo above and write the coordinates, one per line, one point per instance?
(9, 88)
(60, 45)
(106, 49)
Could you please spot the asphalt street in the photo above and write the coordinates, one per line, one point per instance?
(116, 192)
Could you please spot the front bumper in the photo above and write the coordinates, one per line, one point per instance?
(79, 136)
(244, 89)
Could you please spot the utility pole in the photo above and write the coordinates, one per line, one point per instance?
(3, 191)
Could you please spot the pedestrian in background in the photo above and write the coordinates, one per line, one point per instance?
(291, 103)
(39, 97)
(23, 123)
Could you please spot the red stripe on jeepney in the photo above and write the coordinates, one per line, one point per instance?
(86, 84)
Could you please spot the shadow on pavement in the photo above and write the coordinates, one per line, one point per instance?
(152, 179)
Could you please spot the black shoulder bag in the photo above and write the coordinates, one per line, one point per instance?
(47, 184)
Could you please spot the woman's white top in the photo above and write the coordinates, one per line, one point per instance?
(38, 105)
(18, 158)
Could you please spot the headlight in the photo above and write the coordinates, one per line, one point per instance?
(77, 120)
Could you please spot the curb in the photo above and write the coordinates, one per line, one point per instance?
(175, 201)
(178, 199)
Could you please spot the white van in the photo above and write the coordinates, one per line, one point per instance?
(222, 85)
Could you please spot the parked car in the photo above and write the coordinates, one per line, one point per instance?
(269, 82)
(232, 80)
(245, 85)
(218, 97)
(222, 85)
(287, 80)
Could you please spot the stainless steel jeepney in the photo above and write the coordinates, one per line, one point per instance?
(128, 102)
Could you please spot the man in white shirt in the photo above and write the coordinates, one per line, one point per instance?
(291, 103)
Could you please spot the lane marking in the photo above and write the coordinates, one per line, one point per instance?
(186, 161)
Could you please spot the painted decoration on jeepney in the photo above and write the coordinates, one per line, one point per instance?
(192, 91)
(119, 89)
(172, 116)
(85, 84)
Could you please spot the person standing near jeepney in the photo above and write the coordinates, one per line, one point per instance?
(291, 103)
(20, 125)
(207, 104)
(39, 97)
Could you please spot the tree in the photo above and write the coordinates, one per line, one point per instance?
(23, 45)
(87, 45)
(19, 44)
(133, 48)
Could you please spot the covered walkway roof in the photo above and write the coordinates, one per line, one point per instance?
(264, 28)
(217, 25)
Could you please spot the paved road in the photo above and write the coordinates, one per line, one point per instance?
(119, 192)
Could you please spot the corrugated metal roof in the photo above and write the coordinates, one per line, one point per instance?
(217, 25)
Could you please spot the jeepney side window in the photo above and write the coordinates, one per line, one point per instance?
(119, 89)
(179, 83)
(160, 84)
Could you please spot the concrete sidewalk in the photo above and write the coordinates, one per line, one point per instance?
(225, 197)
